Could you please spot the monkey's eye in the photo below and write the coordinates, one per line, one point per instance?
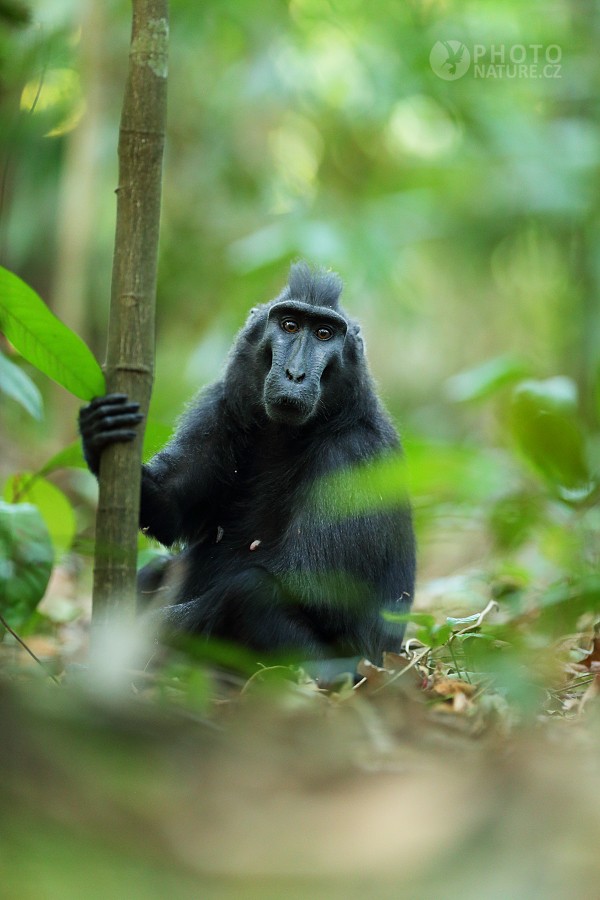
(290, 325)
(324, 332)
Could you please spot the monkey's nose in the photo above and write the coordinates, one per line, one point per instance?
(296, 378)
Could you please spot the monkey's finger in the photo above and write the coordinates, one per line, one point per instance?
(111, 426)
(111, 423)
(103, 439)
(89, 417)
(107, 399)
(108, 402)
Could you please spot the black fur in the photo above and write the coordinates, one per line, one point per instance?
(248, 487)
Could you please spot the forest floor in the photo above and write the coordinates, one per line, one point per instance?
(443, 773)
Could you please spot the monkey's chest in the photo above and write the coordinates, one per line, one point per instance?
(257, 512)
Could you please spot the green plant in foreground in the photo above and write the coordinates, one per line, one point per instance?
(36, 519)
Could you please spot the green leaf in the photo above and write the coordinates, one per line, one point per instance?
(557, 394)
(53, 506)
(70, 457)
(361, 489)
(458, 473)
(425, 620)
(45, 341)
(513, 517)
(549, 433)
(474, 636)
(467, 620)
(439, 635)
(485, 380)
(26, 558)
(16, 383)
(562, 604)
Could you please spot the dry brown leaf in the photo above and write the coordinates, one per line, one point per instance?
(374, 676)
(395, 661)
(450, 687)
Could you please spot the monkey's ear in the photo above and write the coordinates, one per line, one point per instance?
(356, 338)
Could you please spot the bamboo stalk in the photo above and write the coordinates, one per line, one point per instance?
(129, 363)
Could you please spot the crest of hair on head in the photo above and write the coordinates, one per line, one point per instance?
(315, 286)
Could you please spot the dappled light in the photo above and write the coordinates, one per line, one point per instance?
(57, 95)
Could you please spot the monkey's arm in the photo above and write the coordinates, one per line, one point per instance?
(180, 483)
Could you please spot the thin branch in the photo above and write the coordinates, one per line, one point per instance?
(5, 624)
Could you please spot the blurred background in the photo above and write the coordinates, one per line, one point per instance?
(459, 206)
(443, 157)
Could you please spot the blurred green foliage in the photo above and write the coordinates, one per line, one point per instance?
(462, 215)
(26, 558)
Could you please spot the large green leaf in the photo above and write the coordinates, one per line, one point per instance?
(486, 379)
(544, 417)
(26, 557)
(361, 489)
(45, 341)
(16, 383)
(53, 506)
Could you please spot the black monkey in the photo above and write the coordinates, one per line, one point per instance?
(250, 485)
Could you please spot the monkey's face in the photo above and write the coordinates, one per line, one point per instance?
(303, 347)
